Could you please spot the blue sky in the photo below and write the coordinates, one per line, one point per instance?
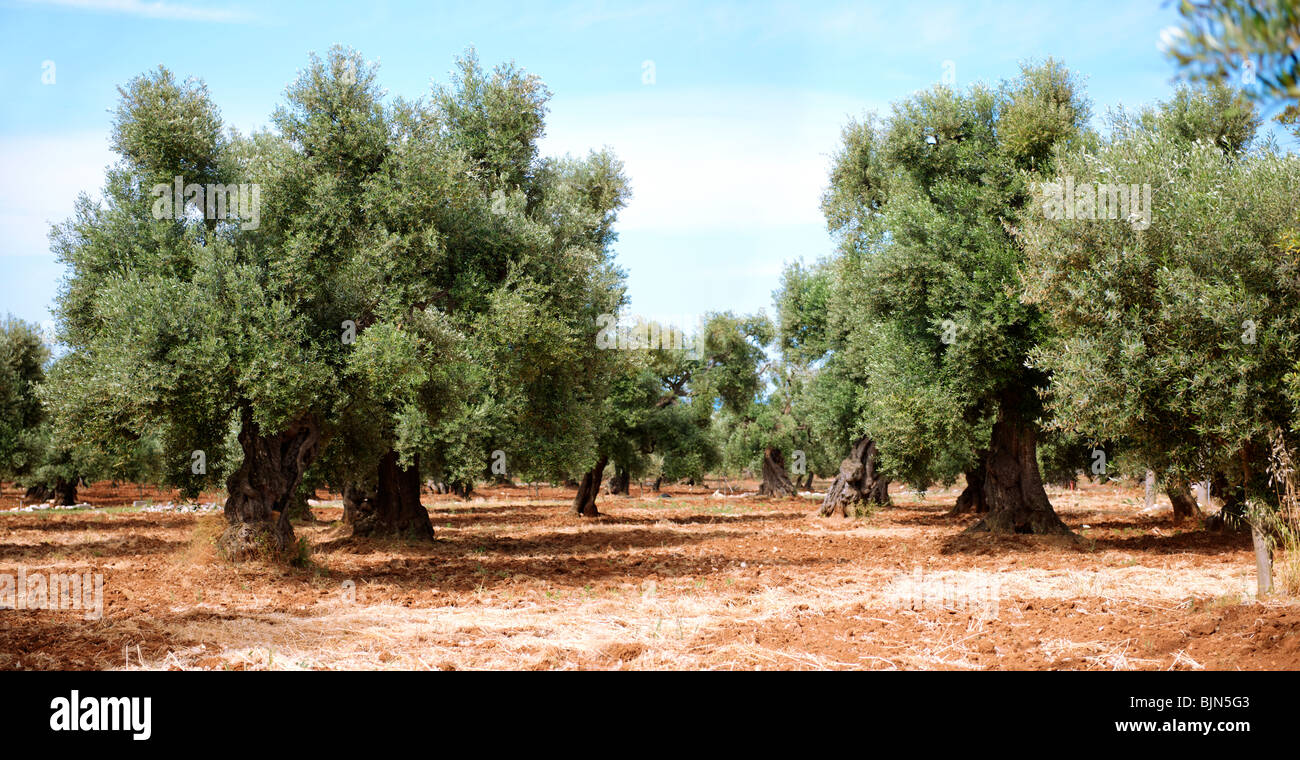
(727, 149)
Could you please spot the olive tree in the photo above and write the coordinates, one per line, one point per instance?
(1173, 330)
(374, 289)
(1252, 42)
(24, 428)
(653, 418)
(936, 336)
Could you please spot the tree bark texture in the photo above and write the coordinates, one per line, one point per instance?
(857, 484)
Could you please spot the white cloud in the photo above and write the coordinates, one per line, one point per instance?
(1170, 38)
(43, 176)
(696, 161)
(157, 9)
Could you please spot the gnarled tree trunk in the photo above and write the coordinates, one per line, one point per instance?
(261, 490)
(971, 499)
(857, 482)
(1184, 503)
(621, 482)
(1013, 486)
(584, 502)
(775, 480)
(393, 508)
(65, 492)
(358, 503)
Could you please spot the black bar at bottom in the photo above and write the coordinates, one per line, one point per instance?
(301, 711)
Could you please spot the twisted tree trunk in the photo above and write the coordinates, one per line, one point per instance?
(260, 491)
(1013, 487)
(584, 502)
(775, 480)
(1184, 503)
(393, 508)
(857, 482)
(63, 493)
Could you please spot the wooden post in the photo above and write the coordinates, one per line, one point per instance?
(1151, 490)
(1263, 558)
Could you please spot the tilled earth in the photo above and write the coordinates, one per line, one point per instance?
(697, 580)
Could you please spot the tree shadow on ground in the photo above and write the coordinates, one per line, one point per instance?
(457, 562)
(718, 518)
(1100, 535)
(1201, 542)
(567, 543)
(1193, 542)
(132, 546)
(65, 640)
(524, 514)
(936, 516)
(487, 572)
(108, 523)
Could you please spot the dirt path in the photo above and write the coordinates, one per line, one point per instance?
(692, 581)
